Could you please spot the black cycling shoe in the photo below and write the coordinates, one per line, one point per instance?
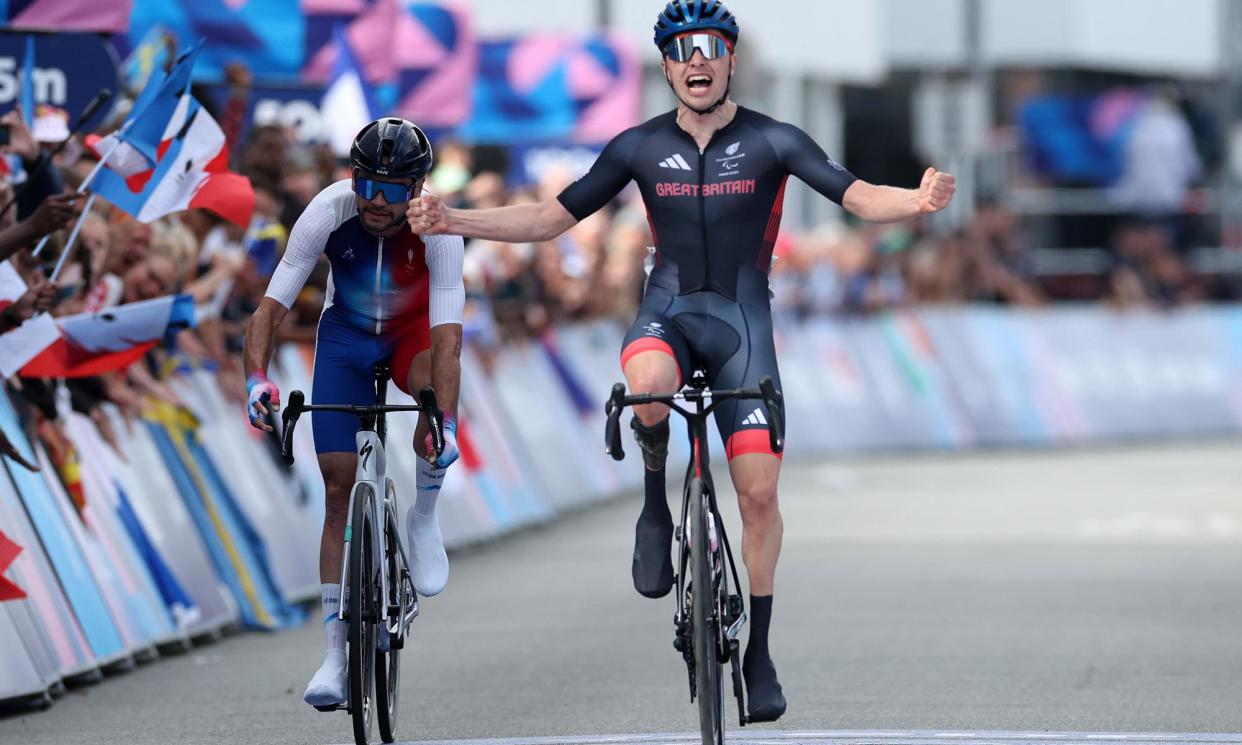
(653, 555)
(764, 700)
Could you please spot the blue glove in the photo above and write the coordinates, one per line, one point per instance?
(262, 397)
(450, 453)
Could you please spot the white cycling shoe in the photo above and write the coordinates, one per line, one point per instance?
(429, 566)
(328, 686)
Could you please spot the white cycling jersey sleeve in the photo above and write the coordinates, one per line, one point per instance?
(309, 236)
(445, 257)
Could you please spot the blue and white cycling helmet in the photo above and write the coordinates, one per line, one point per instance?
(683, 16)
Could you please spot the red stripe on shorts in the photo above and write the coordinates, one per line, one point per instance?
(746, 441)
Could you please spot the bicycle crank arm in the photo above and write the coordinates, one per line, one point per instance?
(738, 691)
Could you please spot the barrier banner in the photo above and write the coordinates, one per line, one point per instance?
(66, 555)
(266, 497)
(8, 554)
(236, 551)
(32, 571)
(110, 564)
(128, 587)
(150, 490)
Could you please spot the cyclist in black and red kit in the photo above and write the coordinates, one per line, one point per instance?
(712, 175)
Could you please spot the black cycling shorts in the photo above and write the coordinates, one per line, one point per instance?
(730, 341)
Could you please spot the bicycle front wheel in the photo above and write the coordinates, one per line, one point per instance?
(388, 664)
(363, 612)
(709, 672)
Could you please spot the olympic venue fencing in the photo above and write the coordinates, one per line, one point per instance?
(196, 527)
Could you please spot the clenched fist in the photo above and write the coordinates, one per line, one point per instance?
(936, 191)
(427, 215)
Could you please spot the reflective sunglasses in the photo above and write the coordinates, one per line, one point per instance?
(681, 49)
(367, 188)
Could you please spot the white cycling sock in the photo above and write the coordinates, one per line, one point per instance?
(333, 627)
(428, 561)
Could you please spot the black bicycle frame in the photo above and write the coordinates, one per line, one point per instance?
(705, 403)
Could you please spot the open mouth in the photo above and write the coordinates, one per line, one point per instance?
(699, 82)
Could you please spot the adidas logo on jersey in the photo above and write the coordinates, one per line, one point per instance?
(676, 162)
(756, 418)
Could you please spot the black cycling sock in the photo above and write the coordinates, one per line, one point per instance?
(760, 619)
(655, 504)
(766, 701)
(653, 540)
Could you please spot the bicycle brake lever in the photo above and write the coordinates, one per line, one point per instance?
(612, 430)
(435, 420)
(289, 418)
(772, 401)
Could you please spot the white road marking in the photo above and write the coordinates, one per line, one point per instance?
(861, 737)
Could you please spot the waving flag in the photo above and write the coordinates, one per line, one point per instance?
(26, 97)
(95, 343)
(148, 57)
(191, 172)
(347, 104)
(138, 141)
(20, 345)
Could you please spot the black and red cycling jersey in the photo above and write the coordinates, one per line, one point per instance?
(714, 212)
(714, 217)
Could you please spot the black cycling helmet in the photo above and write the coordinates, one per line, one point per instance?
(392, 147)
(682, 16)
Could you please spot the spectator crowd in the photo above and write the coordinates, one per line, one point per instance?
(594, 270)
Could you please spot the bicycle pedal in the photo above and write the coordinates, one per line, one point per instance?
(333, 707)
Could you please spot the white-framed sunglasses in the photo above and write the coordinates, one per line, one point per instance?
(681, 48)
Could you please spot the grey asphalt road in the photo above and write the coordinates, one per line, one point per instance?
(1096, 591)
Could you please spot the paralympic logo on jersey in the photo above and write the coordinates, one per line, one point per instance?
(736, 186)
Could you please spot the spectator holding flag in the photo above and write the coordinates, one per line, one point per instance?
(42, 179)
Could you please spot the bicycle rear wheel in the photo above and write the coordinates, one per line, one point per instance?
(388, 664)
(363, 595)
(709, 671)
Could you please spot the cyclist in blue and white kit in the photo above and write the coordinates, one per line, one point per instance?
(712, 175)
(392, 295)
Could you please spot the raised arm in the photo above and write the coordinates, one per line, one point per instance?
(543, 221)
(890, 204)
(521, 223)
(808, 161)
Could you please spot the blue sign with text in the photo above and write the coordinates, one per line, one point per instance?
(69, 69)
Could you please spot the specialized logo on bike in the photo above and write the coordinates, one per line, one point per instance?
(724, 188)
(365, 453)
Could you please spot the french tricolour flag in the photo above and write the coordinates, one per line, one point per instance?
(170, 156)
(112, 339)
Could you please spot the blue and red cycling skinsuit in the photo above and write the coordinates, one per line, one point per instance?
(384, 295)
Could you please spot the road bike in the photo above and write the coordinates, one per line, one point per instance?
(378, 600)
(710, 611)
